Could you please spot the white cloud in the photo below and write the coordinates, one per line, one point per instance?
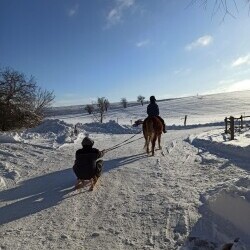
(200, 42)
(142, 43)
(241, 61)
(226, 82)
(182, 71)
(73, 99)
(230, 86)
(239, 86)
(68, 102)
(72, 11)
(115, 15)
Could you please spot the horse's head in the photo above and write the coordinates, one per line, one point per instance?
(137, 123)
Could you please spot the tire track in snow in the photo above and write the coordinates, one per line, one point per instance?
(177, 225)
(171, 147)
(176, 174)
(139, 204)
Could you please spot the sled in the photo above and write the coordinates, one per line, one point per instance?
(84, 183)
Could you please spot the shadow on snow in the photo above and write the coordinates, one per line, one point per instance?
(34, 195)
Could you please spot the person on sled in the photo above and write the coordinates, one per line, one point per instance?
(153, 110)
(87, 166)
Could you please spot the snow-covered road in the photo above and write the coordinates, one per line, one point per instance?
(141, 202)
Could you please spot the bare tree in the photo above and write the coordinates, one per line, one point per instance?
(106, 104)
(99, 111)
(89, 108)
(140, 99)
(22, 102)
(227, 7)
(124, 102)
(43, 100)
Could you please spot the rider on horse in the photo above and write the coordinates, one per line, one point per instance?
(153, 110)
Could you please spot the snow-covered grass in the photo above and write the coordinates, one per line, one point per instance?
(193, 194)
(199, 110)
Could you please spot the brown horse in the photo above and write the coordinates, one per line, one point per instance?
(152, 130)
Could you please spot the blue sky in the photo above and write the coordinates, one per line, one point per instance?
(84, 49)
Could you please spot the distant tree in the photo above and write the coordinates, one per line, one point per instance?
(141, 99)
(22, 102)
(89, 108)
(106, 104)
(100, 109)
(124, 102)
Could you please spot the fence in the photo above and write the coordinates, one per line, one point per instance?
(231, 124)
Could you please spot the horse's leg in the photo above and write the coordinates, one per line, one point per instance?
(159, 141)
(153, 144)
(146, 138)
(148, 141)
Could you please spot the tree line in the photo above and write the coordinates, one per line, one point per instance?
(23, 103)
(103, 104)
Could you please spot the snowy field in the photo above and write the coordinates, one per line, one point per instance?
(193, 194)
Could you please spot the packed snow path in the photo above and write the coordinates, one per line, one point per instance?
(141, 202)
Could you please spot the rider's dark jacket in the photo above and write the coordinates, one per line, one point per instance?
(152, 109)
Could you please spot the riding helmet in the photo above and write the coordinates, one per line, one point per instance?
(152, 98)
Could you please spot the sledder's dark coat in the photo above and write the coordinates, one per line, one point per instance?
(85, 163)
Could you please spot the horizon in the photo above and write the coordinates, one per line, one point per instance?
(125, 48)
(158, 100)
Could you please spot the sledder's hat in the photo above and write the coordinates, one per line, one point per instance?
(152, 98)
(87, 142)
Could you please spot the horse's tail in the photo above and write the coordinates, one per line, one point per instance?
(148, 131)
(150, 126)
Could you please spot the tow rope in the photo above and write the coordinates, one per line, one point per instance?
(123, 143)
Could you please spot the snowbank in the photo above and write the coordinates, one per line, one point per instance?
(224, 218)
(110, 127)
(225, 213)
(52, 125)
(218, 143)
(9, 138)
(234, 207)
(55, 132)
(52, 131)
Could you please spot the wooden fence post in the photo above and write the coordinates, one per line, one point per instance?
(75, 131)
(241, 121)
(226, 131)
(232, 127)
(185, 120)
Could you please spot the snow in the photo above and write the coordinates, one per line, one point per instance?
(110, 127)
(193, 194)
(219, 143)
(219, 136)
(225, 204)
(9, 137)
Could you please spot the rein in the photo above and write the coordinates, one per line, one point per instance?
(123, 143)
